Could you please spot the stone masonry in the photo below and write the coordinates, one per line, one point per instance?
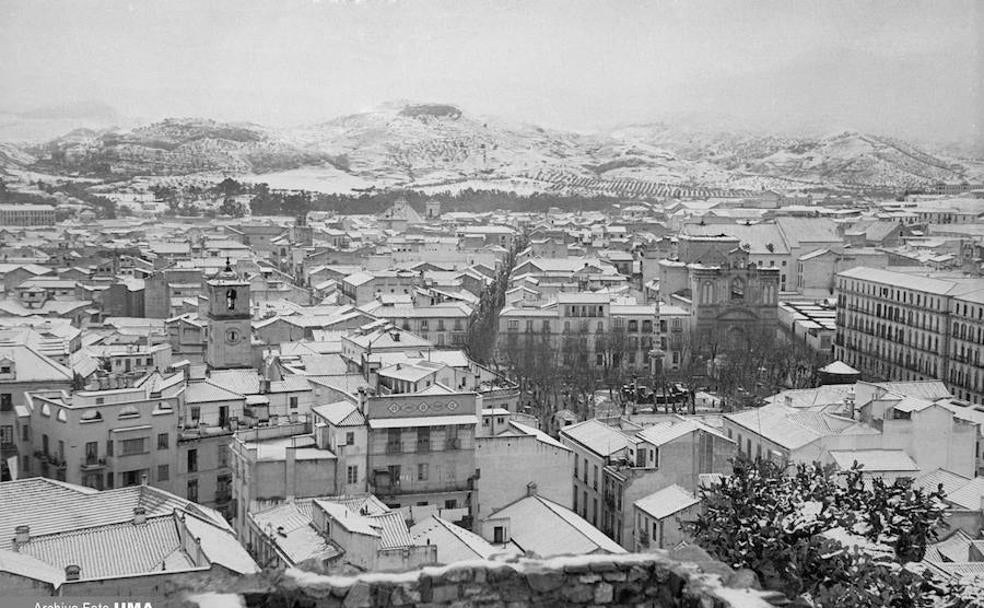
(650, 579)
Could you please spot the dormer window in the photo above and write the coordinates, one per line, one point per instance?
(7, 369)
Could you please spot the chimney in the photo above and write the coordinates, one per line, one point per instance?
(72, 572)
(22, 535)
(143, 479)
(531, 488)
(849, 402)
(139, 516)
(788, 400)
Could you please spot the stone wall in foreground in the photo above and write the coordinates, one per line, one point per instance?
(649, 579)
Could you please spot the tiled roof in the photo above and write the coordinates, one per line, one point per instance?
(340, 413)
(49, 506)
(392, 529)
(300, 540)
(969, 496)
(110, 550)
(949, 480)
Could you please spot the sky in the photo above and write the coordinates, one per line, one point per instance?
(898, 67)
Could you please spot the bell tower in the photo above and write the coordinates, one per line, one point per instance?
(229, 327)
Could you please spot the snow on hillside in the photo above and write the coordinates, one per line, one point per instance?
(441, 147)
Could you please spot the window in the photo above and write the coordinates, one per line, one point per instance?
(91, 452)
(162, 441)
(423, 469)
(109, 449)
(133, 478)
(575, 476)
(6, 434)
(595, 477)
(451, 504)
(223, 453)
(352, 474)
(498, 535)
(192, 461)
(6, 402)
(163, 474)
(192, 490)
(134, 446)
(350, 438)
(423, 439)
(393, 441)
(293, 403)
(196, 413)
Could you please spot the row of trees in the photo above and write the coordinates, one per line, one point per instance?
(830, 539)
(567, 373)
(484, 322)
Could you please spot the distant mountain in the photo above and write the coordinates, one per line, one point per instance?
(846, 158)
(176, 147)
(430, 145)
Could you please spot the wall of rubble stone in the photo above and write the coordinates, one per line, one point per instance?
(604, 580)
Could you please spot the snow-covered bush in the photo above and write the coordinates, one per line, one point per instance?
(831, 538)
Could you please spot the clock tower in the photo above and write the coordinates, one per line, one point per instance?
(229, 321)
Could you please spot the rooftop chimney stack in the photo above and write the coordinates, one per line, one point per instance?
(531, 488)
(139, 516)
(22, 535)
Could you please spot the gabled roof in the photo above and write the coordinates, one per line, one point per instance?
(300, 540)
(75, 525)
(546, 528)
(454, 543)
(340, 413)
(665, 432)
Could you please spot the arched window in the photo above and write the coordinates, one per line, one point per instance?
(231, 299)
(737, 289)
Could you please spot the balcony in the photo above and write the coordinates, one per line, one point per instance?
(94, 464)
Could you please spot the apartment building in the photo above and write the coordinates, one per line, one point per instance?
(443, 324)
(27, 215)
(592, 329)
(421, 448)
(904, 422)
(895, 325)
(362, 287)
